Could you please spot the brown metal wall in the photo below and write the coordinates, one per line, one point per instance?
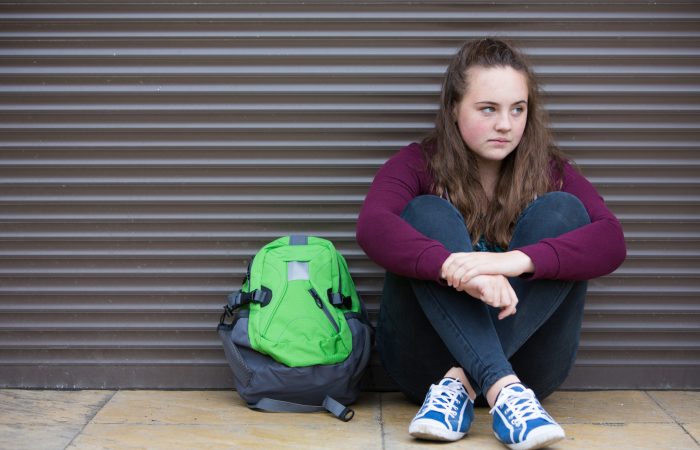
(148, 149)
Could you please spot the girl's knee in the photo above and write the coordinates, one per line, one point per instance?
(428, 205)
(437, 219)
(550, 215)
(563, 208)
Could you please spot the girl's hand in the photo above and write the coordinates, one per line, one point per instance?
(494, 290)
(459, 268)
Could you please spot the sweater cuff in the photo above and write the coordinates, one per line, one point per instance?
(430, 262)
(545, 259)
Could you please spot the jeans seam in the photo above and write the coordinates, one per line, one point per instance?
(548, 314)
(458, 331)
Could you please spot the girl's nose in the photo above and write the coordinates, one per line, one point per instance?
(503, 123)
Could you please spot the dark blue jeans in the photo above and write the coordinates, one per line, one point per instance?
(424, 328)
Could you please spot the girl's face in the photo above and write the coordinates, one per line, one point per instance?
(493, 112)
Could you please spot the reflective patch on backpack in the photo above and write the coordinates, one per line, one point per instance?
(297, 270)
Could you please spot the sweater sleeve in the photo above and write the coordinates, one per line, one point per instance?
(384, 236)
(587, 252)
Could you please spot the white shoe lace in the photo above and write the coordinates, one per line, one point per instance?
(522, 406)
(443, 398)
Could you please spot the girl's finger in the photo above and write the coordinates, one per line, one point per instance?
(506, 311)
(446, 266)
(470, 272)
(513, 301)
(458, 275)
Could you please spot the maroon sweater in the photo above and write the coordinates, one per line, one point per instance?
(587, 252)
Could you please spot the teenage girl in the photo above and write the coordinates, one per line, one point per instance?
(488, 235)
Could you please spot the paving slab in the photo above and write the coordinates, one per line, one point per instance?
(45, 420)
(613, 407)
(38, 437)
(271, 436)
(175, 407)
(219, 419)
(19, 406)
(693, 429)
(683, 406)
(631, 436)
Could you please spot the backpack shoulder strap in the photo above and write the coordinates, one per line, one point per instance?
(331, 405)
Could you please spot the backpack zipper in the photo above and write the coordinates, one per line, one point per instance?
(322, 306)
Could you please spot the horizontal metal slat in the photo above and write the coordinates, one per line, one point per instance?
(424, 104)
(349, 13)
(328, 51)
(392, 85)
(124, 357)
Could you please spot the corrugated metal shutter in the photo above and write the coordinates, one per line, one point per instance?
(148, 149)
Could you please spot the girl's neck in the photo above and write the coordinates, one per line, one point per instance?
(489, 173)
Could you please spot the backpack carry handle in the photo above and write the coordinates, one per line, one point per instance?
(255, 271)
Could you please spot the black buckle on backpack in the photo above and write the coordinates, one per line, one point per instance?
(338, 300)
(262, 296)
(228, 312)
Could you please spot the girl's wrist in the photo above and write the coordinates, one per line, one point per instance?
(523, 262)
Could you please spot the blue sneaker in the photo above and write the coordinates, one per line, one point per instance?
(446, 414)
(520, 422)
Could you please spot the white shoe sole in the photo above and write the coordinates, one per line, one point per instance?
(427, 429)
(541, 437)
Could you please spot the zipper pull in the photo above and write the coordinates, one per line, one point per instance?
(316, 297)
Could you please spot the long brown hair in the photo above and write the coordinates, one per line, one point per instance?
(525, 172)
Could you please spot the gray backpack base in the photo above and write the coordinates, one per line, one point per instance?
(267, 385)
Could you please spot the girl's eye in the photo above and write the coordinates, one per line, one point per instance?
(488, 109)
(518, 110)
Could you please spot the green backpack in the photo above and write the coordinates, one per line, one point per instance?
(299, 308)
